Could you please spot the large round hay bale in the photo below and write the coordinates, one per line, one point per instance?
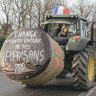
(30, 56)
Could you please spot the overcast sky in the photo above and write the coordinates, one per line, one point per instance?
(72, 2)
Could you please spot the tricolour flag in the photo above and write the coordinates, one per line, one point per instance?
(60, 10)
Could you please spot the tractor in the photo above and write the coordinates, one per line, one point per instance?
(78, 46)
(35, 56)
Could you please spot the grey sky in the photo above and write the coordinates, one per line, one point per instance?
(72, 2)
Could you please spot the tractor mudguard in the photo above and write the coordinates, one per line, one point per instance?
(77, 45)
(61, 40)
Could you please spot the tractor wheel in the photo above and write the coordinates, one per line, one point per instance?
(83, 69)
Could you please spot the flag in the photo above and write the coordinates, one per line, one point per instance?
(55, 10)
(65, 10)
(60, 10)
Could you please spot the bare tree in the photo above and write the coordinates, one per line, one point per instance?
(44, 7)
(6, 6)
(23, 13)
(21, 9)
(94, 13)
(83, 8)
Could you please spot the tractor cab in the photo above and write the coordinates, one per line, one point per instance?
(71, 26)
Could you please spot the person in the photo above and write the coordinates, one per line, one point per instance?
(64, 31)
(65, 28)
(57, 30)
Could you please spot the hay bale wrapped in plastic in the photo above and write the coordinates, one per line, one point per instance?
(30, 56)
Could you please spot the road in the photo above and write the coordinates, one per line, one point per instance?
(57, 87)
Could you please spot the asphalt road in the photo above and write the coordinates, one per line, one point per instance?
(57, 87)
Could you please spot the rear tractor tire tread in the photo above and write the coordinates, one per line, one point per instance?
(80, 69)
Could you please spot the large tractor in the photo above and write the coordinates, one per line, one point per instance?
(36, 56)
(78, 47)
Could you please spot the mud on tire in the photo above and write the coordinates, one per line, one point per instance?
(80, 73)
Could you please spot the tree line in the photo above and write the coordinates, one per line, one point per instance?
(31, 13)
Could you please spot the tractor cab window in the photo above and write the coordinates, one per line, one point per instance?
(52, 27)
(83, 28)
(53, 24)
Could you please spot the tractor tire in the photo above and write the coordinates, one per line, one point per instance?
(83, 68)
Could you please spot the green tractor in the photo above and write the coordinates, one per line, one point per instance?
(34, 56)
(78, 46)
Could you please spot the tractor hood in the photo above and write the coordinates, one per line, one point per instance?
(76, 43)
